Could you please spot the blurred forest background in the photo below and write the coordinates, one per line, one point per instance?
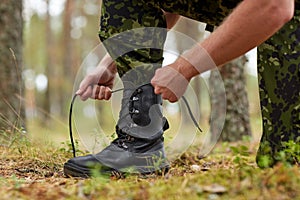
(59, 34)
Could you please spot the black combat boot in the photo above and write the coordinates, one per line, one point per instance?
(139, 147)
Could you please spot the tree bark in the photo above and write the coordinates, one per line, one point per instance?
(46, 102)
(237, 122)
(67, 59)
(12, 111)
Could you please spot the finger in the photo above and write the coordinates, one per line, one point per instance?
(173, 99)
(107, 93)
(170, 96)
(158, 90)
(84, 85)
(96, 91)
(86, 93)
(101, 94)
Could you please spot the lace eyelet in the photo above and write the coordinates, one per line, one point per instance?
(135, 98)
(134, 111)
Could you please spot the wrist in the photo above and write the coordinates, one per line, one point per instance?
(186, 68)
(112, 67)
(199, 60)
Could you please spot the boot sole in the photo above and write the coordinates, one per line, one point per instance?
(72, 170)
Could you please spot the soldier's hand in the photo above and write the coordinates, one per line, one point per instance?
(169, 82)
(98, 84)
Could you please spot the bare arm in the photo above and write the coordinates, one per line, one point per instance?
(251, 23)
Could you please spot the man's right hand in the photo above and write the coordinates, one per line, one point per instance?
(98, 84)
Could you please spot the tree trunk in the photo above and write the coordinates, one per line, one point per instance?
(190, 28)
(46, 102)
(237, 123)
(67, 60)
(12, 113)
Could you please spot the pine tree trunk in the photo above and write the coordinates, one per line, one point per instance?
(237, 123)
(12, 113)
(46, 101)
(68, 65)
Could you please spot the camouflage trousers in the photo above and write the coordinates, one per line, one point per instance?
(279, 87)
(118, 16)
(278, 67)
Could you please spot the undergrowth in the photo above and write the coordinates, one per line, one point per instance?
(31, 170)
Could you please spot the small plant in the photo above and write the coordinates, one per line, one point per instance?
(67, 148)
(290, 154)
(17, 182)
(241, 159)
(99, 175)
(240, 154)
(9, 138)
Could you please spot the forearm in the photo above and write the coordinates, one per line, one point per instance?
(106, 63)
(251, 23)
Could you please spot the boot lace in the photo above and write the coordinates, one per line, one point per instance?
(123, 138)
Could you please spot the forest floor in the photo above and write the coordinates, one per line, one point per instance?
(29, 170)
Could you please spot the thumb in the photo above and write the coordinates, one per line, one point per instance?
(81, 90)
(85, 83)
(157, 90)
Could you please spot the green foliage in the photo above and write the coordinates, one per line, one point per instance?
(68, 149)
(265, 161)
(290, 153)
(34, 171)
(240, 155)
(98, 177)
(14, 181)
(241, 159)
